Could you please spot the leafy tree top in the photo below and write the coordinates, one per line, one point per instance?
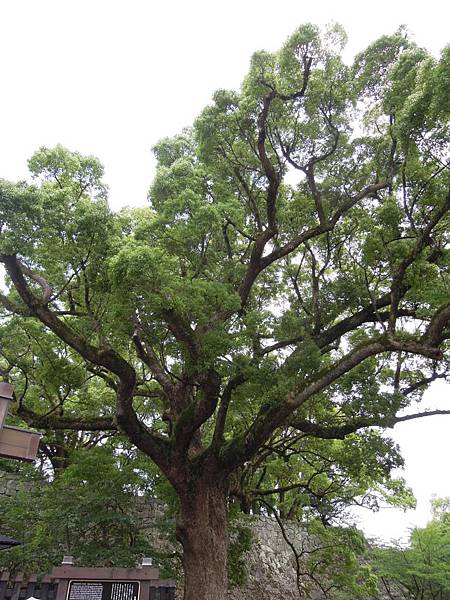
(289, 275)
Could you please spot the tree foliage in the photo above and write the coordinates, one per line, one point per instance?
(89, 511)
(421, 569)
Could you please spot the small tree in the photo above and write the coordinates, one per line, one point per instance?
(289, 279)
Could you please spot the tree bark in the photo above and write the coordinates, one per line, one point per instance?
(202, 529)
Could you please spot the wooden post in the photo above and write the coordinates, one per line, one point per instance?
(6, 395)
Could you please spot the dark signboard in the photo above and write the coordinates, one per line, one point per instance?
(103, 590)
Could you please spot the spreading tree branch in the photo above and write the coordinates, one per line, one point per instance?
(270, 418)
(153, 445)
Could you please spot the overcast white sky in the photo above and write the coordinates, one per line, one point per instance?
(110, 78)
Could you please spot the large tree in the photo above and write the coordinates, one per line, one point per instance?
(288, 282)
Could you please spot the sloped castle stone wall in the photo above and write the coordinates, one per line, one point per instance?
(270, 562)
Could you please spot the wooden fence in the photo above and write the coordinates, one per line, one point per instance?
(20, 587)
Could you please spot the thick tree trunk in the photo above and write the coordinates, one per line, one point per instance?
(202, 529)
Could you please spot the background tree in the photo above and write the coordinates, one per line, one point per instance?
(89, 511)
(421, 569)
(290, 274)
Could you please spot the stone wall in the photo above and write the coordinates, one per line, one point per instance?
(270, 562)
(9, 483)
